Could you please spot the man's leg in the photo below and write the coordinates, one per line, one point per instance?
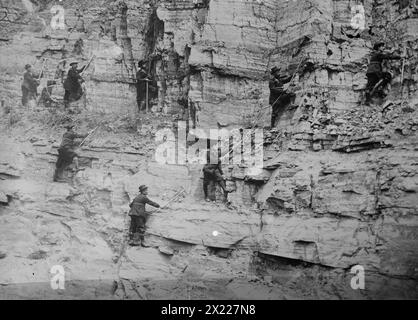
(24, 96)
(221, 182)
(78, 93)
(57, 173)
(140, 100)
(59, 167)
(205, 188)
(142, 221)
(65, 158)
(387, 79)
(132, 229)
(70, 157)
(33, 95)
(223, 186)
(372, 80)
(132, 225)
(67, 98)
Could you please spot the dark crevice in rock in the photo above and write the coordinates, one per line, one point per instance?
(220, 252)
(277, 261)
(126, 40)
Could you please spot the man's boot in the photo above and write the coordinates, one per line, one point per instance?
(223, 186)
(131, 241)
(136, 241)
(142, 241)
(58, 176)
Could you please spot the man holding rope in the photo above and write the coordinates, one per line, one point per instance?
(30, 85)
(142, 86)
(212, 173)
(66, 152)
(74, 83)
(139, 216)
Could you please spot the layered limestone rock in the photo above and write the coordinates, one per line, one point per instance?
(119, 34)
(339, 180)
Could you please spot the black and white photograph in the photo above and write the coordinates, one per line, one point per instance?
(208, 150)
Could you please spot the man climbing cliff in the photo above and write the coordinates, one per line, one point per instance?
(139, 216)
(213, 173)
(142, 79)
(376, 77)
(66, 152)
(72, 85)
(29, 85)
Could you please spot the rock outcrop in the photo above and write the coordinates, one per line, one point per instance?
(339, 182)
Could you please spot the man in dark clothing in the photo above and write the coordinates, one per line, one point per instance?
(72, 85)
(46, 94)
(403, 4)
(29, 86)
(278, 94)
(141, 86)
(375, 72)
(213, 173)
(66, 152)
(275, 85)
(139, 216)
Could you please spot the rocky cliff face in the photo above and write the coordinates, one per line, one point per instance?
(339, 182)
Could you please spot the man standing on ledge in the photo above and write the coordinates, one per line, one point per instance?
(66, 152)
(213, 172)
(141, 86)
(72, 85)
(29, 86)
(139, 216)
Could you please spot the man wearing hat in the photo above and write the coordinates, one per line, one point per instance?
(139, 216)
(29, 86)
(66, 151)
(375, 72)
(72, 85)
(141, 85)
